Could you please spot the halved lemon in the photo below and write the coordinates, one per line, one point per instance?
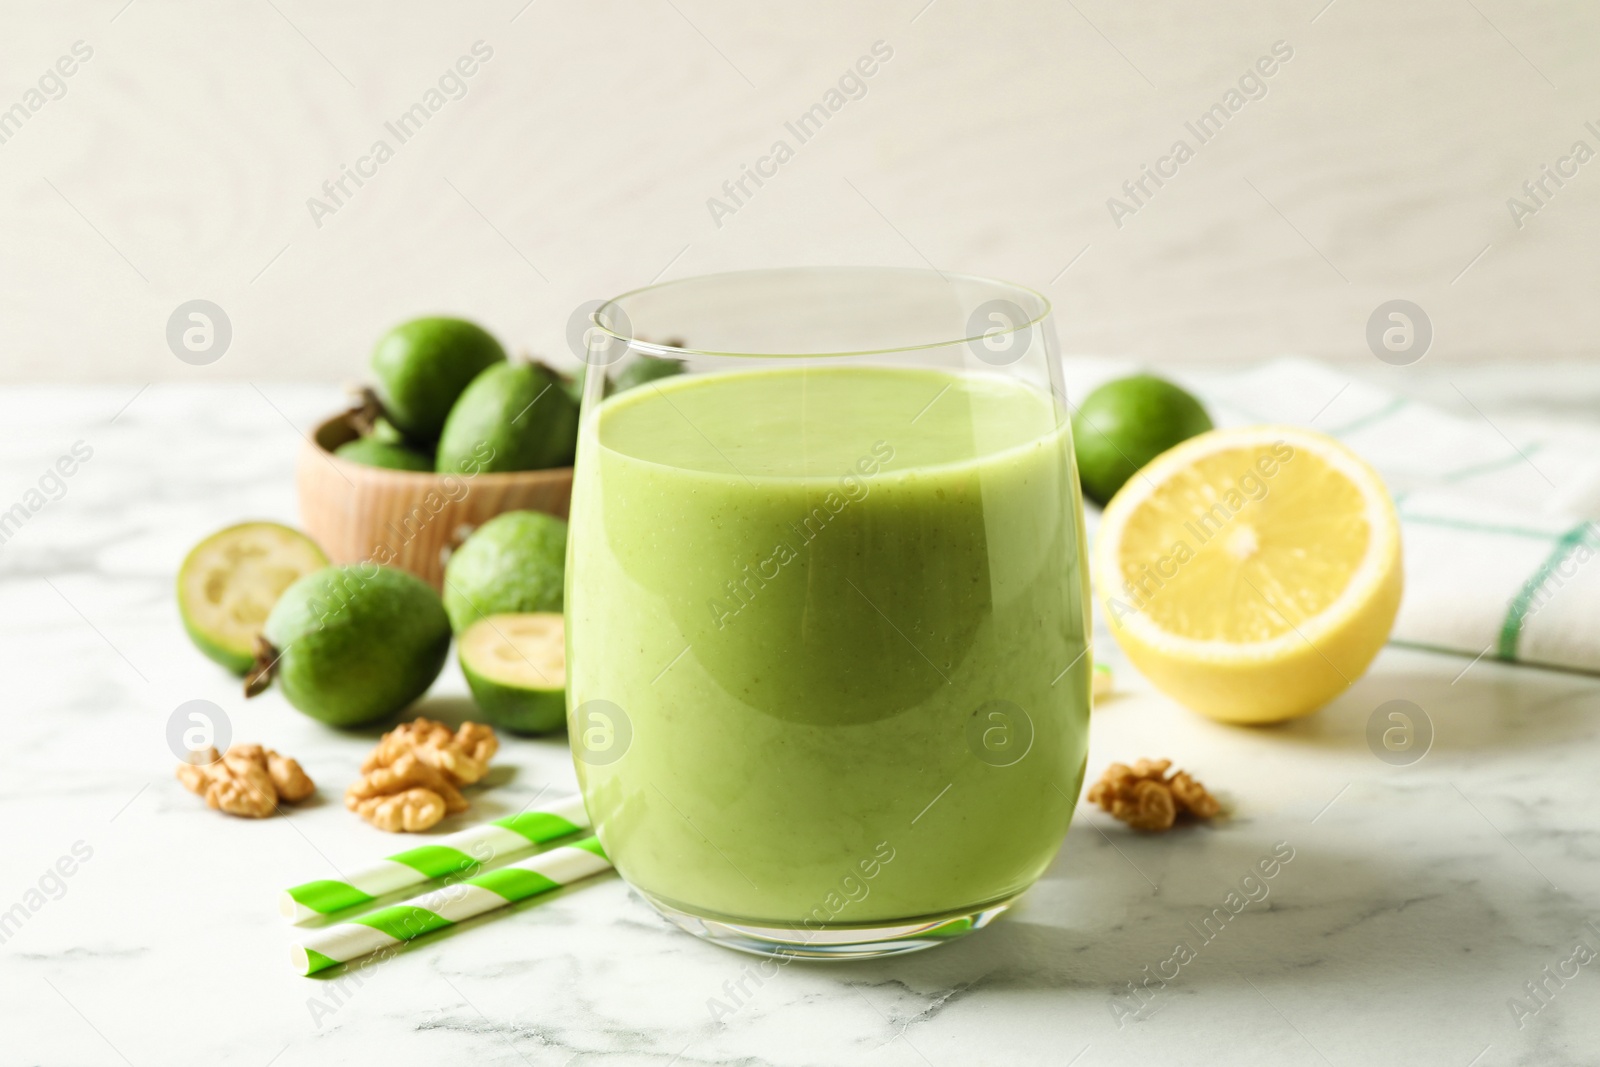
(1251, 574)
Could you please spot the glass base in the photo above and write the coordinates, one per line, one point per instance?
(831, 943)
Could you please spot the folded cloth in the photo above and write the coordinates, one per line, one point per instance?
(1494, 519)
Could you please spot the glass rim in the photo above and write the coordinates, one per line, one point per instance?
(685, 351)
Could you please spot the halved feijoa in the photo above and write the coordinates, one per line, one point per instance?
(229, 582)
(516, 666)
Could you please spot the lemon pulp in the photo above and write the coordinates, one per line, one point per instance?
(1251, 573)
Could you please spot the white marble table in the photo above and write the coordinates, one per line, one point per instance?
(1418, 903)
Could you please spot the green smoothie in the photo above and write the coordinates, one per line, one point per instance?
(842, 609)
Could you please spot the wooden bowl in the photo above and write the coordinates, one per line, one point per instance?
(407, 519)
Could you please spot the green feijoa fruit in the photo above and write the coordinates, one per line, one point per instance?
(1126, 423)
(516, 667)
(352, 644)
(387, 432)
(372, 452)
(514, 563)
(230, 581)
(423, 365)
(646, 369)
(513, 417)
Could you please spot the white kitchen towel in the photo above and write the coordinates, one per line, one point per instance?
(1495, 519)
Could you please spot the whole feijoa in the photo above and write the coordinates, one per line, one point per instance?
(1124, 424)
(423, 365)
(513, 417)
(386, 432)
(352, 644)
(645, 369)
(371, 452)
(513, 564)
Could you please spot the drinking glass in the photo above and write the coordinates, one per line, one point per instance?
(828, 670)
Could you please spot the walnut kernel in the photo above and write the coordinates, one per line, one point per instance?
(247, 780)
(408, 811)
(464, 754)
(429, 793)
(1146, 799)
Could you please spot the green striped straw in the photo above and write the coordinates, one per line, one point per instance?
(387, 927)
(1103, 682)
(465, 850)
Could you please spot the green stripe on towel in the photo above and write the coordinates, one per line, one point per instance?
(1522, 605)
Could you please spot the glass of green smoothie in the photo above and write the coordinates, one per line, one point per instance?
(827, 615)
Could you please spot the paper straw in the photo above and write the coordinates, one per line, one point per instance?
(464, 850)
(447, 906)
(1102, 683)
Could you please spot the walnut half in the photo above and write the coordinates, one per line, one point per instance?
(247, 780)
(407, 795)
(408, 811)
(1146, 799)
(463, 755)
(414, 777)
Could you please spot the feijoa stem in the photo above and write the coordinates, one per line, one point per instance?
(366, 412)
(259, 677)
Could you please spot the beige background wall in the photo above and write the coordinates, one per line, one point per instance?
(179, 161)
